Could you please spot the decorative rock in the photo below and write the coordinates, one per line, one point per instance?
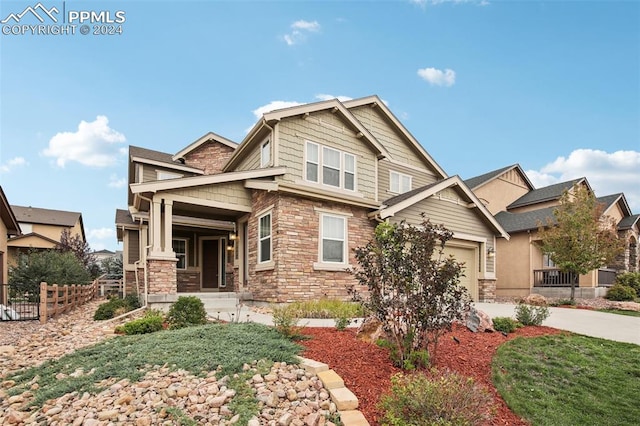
(479, 321)
(285, 419)
(535, 300)
(370, 330)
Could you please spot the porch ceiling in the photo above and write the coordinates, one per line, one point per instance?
(205, 212)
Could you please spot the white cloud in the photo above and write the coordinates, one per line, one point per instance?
(12, 164)
(101, 233)
(437, 77)
(300, 30)
(326, 97)
(312, 26)
(273, 105)
(93, 144)
(115, 182)
(607, 173)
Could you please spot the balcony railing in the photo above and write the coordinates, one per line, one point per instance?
(553, 278)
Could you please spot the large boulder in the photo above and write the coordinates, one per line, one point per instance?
(479, 321)
(535, 300)
(371, 330)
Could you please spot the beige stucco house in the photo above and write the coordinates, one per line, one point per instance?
(42, 229)
(521, 267)
(277, 217)
(8, 228)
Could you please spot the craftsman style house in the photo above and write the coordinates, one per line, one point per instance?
(521, 267)
(42, 229)
(277, 217)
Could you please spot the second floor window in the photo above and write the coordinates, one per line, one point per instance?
(265, 153)
(330, 167)
(164, 175)
(399, 183)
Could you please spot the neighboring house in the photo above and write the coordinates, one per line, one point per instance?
(521, 267)
(42, 229)
(8, 227)
(278, 216)
(100, 255)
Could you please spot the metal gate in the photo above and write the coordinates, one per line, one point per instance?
(19, 303)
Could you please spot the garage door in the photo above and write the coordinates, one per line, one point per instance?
(470, 268)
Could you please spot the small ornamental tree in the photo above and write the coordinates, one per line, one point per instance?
(78, 246)
(414, 290)
(579, 239)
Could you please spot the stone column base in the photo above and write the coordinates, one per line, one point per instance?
(486, 290)
(162, 276)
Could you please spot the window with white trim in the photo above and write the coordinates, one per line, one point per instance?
(164, 175)
(399, 182)
(264, 238)
(333, 235)
(265, 153)
(330, 166)
(180, 249)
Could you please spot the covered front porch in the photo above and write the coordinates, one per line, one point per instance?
(197, 241)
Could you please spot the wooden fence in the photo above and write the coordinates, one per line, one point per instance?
(55, 299)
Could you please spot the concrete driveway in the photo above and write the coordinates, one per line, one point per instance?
(620, 328)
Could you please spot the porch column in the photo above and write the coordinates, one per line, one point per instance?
(168, 225)
(156, 222)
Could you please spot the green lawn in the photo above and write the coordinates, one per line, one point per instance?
(621, 312)
(570, 380)
(196, 349)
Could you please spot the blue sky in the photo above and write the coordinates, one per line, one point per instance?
(553, 86)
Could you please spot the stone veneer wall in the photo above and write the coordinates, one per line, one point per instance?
(210, 157)
(162, 276)
(188, 281)
(486, 290)
(295, 230)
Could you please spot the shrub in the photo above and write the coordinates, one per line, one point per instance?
(286, 320)
(414, 288)
(531, 315)
(150, 323)
(506, 324)
(442, 398)
(342, 322)
(185, 312)
(630, 279)
(115, 307)
(564, 302)
(621, 293)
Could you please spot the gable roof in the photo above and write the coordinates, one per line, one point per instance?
(12, 241)
(123, 217)
(400, 202)
(526, 221)
(189, 182)
(548, 193)
(46, 216)
(377, 102)
(628, 222)
(610, 200)
(210, 136)
(157, 158)
(478, 181)
(276, 115)
(8, 216)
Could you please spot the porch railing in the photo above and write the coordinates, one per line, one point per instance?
(553, 278)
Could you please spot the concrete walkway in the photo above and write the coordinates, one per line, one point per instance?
(620, 328)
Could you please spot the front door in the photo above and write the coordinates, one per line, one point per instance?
(210, 264)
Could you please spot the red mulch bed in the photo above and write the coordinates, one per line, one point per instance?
(366, 368)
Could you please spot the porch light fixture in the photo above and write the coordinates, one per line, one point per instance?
(491, 252)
